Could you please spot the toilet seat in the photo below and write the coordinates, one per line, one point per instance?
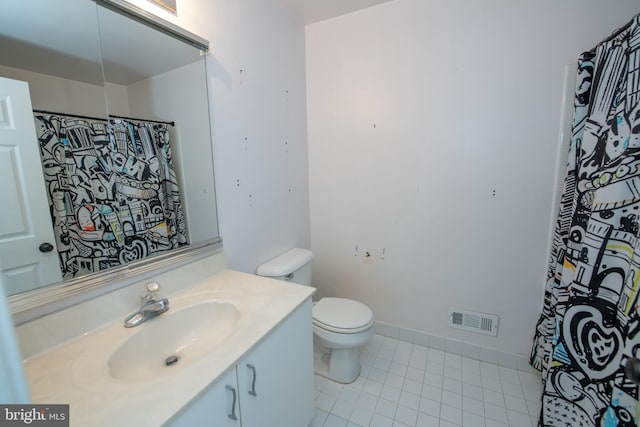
(342, 315)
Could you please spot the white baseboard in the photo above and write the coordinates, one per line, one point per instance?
(472, 351)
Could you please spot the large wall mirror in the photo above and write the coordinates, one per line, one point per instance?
(106, 151)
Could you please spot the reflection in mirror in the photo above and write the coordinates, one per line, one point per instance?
(56, 51)
(117, 117)
(64, 73)
(163, 80)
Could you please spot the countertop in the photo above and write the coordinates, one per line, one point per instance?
(77, 372)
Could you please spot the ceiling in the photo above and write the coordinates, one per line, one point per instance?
(310, 11)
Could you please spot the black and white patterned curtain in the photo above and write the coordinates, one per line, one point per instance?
(112, 189)
(590, 323)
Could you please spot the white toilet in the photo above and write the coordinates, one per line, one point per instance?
(340, 325)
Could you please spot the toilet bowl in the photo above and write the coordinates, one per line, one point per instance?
(340, 325)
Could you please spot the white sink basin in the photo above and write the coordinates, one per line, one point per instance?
(188, 334)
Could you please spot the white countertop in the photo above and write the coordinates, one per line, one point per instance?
(77, 372)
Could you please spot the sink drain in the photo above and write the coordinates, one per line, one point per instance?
(171, 360)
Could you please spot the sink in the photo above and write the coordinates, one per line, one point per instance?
(172, 340)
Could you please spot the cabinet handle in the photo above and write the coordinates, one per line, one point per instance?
(252, 392)
(232, 415)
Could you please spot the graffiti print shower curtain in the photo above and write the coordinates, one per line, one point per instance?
(112, 189)
(590, 324)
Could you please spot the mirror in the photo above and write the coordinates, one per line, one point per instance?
(122, 122)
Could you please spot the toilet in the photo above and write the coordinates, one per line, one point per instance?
(340, 325)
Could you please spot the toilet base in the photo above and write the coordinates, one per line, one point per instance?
(339, 365)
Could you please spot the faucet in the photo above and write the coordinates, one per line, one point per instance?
(150, 306)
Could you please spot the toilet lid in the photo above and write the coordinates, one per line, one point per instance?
(342, 315)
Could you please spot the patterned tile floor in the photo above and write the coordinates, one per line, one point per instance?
(403, 384)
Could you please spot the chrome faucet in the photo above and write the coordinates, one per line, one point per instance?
(151, 305)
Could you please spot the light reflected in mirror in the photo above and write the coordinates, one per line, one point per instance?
(119, 110)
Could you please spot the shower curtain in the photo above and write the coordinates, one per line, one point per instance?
(590, 323)
(112, 189)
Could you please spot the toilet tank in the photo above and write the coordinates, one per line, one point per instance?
(293, 265)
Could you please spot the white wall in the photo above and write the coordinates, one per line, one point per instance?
(418, 111)
(256, 72)
(177, 95)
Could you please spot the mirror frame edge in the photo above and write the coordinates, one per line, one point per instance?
(147, 18)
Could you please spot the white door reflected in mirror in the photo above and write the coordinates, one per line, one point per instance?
(26, 223)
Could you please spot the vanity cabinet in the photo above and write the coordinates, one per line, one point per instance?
(272, 384)
(276, 378)
(215, 406)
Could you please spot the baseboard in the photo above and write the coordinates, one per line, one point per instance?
(472, 351)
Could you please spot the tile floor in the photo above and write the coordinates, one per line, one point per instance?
(403, 384)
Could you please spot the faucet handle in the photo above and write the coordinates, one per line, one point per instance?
(152, 287)
(152, 291)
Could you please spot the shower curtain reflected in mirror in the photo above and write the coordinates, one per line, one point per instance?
(590, 323)
(112, 190)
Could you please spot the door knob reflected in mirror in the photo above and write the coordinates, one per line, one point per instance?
(45, 247)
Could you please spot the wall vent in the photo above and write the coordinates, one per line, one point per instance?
(481, 323)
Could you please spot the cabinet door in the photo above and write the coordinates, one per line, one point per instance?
(214, 407)
(276, 378)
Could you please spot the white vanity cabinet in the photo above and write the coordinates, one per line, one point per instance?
(213, 407)
(276, 378)
(272, 384)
